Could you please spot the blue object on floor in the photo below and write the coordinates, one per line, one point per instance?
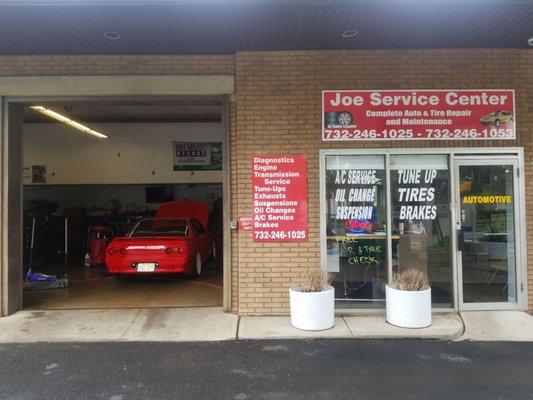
(39, 277)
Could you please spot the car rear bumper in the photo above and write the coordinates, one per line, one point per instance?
(129, 266)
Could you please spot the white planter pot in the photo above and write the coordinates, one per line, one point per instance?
(313, 311)
(408, 309)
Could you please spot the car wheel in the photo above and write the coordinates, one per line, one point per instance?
(497, 123)
(197, 265)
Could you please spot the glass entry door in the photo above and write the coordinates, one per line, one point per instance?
(488, 261)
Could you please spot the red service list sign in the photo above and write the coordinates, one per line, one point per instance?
(279, 185)
(418, 115)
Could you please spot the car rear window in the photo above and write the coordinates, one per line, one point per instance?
(159, 227)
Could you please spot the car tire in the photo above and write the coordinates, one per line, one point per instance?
(197, 267)
(497, 123)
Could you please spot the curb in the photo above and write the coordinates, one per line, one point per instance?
(401, 333)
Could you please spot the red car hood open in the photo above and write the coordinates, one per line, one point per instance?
(185, 209)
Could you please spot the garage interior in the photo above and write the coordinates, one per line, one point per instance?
(102, 187)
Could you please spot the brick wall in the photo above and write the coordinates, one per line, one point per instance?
(234, 206)
(278, 97)
(116, 65)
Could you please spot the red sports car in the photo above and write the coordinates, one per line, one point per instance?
(175, 241)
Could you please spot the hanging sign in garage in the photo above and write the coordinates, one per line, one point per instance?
(279, 200)
(417, 115)
(197, 156)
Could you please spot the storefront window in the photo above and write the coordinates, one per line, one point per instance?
(421, 220)
(386, 211)
(356, 228)
(356, 224)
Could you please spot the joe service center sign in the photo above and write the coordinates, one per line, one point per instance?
(418, 114)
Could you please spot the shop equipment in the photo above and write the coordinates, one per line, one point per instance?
(38, 280)
(99, 238)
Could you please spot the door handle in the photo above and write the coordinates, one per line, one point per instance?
(460, 240)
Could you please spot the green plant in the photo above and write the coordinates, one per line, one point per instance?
(411, 280)
(315, 280)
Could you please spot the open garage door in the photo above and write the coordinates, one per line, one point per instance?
(96, 175)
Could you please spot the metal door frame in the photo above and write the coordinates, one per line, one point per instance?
(519, 230)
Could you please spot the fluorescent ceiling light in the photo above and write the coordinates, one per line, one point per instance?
(68, 121)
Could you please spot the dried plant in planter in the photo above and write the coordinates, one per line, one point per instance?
(316, 280)
(412, 280)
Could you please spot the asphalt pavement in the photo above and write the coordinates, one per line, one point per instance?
(268, 369)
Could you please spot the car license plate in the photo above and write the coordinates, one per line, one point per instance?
(145, 267)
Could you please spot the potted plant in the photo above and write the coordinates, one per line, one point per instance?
(312, 301)
(408, 300)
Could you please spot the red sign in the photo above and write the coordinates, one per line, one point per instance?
(279, 185)
(245, 223)
(418, 114)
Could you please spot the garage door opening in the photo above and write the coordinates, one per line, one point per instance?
(127, 206)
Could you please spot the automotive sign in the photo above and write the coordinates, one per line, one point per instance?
(418, 114)
(279, 199)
